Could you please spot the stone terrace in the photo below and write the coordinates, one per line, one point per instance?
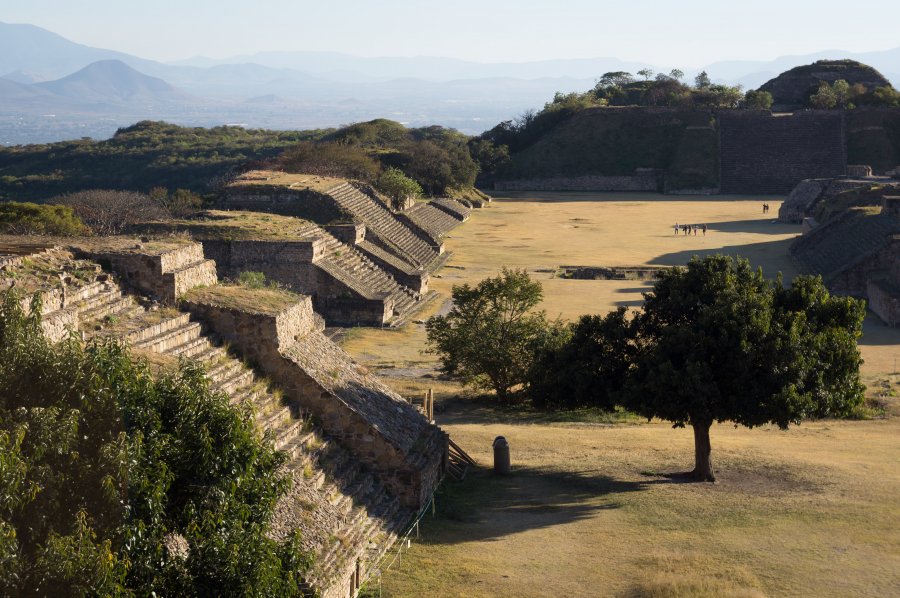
(346, 286)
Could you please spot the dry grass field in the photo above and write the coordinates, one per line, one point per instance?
(590, 509)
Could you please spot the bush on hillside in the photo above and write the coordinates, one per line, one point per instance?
(23, 218)
(109, 212)
(330, 159)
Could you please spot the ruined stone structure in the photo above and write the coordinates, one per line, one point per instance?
(389, 241)
(647, 181)
(857, 253)
(363, 460)
(809, 195)
(768, 153)
(346, 287)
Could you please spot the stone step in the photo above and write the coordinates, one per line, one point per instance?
(224, 369)
(287, 432)
(170, 338)
(115, 303)
(242, 378)
(191, 348)
(83, 294)
(148, 332)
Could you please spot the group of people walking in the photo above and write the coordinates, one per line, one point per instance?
(686, 229)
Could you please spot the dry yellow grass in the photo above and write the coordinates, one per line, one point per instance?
(589, 511)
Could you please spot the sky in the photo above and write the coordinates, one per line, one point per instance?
(683, 33)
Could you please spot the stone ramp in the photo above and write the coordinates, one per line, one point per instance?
(382, 223)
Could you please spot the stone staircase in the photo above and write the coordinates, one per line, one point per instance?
(842, 242)
(432, 220)
(384, 224)
(457, 209)
(361, 275)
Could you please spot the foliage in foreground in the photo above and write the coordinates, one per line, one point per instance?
(24, 218)
(116, 483)
(714, 342)
(489, 337)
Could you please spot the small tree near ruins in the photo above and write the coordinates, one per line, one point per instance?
(490, 336)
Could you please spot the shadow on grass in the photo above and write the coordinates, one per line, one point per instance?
(486, 507)
(750, 250)
(486, 409)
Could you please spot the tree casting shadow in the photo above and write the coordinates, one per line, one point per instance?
(487, 507)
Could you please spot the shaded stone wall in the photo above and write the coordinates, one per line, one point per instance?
(769, 154)
(302, 203)
(642, 182)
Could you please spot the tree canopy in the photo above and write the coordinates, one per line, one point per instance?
(490, 335)
(117, 482)
(715, 341)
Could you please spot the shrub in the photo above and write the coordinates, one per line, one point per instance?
(397, 185)
(252, 280)
(23, 218)
(330, 159)
(109, 212)
(114, 483)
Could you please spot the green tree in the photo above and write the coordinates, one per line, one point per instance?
(646, 73)
(491, 334)
(397, 185)
(115, 482)
(717, 342)
(585, 364)
(24, 218)
(824, 98)
(676, 74)
(842, 93)
(614, 79)
(702, 81)
(757, 100)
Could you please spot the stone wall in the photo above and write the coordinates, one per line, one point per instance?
(376, 425)
(164, 275)
(769, 154)
(303, 203)
(639, 182)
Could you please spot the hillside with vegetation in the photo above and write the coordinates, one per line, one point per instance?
(827, 84)
(138, 158)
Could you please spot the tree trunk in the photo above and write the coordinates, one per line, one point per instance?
(703, 470)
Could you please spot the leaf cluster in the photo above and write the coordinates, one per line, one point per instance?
(490, 336)
(118, 483)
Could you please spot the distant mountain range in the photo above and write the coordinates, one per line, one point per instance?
(52, 88)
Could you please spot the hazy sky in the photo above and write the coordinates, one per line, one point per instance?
(681, 33)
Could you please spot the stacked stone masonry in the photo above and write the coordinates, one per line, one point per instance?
(385, 229)
(346, 286)
(765, 153)
(354, 489)
(433, 222)
(858, 253)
